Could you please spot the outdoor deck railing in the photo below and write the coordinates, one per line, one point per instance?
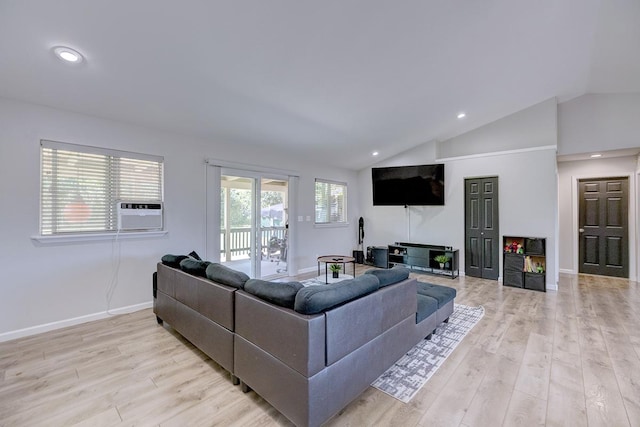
(237, 241)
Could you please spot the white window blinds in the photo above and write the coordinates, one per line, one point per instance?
(80, 186)
(331, 202)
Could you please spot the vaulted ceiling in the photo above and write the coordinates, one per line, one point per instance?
(317, 78)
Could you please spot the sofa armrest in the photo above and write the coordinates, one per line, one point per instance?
(166, 279)
(298, 340)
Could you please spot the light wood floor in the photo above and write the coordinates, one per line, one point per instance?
(570, 357)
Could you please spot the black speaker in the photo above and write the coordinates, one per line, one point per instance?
(359, 256)
(378, 256)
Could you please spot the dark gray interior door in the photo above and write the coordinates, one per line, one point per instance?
(482, 234)
(603, 226)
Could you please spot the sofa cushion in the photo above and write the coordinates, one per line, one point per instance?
(226, 276)
(195, 267)
(279, 293)
(318, 298)
(443, 294)
(390, 276)
(173, 260)
(426, 307)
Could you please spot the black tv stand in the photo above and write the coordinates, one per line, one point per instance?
(420, 258)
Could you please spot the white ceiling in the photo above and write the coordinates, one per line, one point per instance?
(331, 80)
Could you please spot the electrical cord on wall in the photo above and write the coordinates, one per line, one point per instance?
(408, 211)
(115, 267)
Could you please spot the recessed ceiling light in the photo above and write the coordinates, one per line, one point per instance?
(68, 55)
(375, 153)
(462, 115)
(593, 156)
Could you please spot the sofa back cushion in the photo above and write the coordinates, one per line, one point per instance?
(319, 298)
(390, 276)
(194, 266)
(279, 293)
(226, 276)
(173, 260)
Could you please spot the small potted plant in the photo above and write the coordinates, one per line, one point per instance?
(442, 260)
(335, 270)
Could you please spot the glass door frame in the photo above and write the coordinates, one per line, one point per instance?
(214, 172)
(254, 245)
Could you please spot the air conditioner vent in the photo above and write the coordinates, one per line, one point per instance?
(140, 216)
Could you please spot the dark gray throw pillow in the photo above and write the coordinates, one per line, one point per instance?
(390, 276)
(195, 267)
(278, 293)
(173, 260)
(226, 276)
(316, 299)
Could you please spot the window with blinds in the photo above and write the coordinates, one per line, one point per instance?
(81, 185)
(331, 202)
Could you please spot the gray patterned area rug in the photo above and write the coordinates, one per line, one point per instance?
(407, 376)
(320, 280)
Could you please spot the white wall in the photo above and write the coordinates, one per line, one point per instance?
(524, 129)
(527, 184)
(568, 175)
(43, 284)
(597, 122)
(60, 283)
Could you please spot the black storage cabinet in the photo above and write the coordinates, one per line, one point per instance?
(421, 258)
(520, 270)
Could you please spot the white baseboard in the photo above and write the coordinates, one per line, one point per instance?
(567, 271)
(33, 330)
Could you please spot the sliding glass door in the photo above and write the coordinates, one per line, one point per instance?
(253, 223)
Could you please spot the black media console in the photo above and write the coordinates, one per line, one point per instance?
(422, 258)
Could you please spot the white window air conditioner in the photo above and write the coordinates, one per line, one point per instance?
(139, 216)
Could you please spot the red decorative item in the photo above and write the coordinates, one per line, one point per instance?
(77, 211)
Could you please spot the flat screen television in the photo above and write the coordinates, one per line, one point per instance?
(421, 185)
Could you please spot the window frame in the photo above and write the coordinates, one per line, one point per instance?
(345, 217)
(122, 177)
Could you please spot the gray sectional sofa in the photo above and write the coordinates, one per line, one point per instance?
(308, 351)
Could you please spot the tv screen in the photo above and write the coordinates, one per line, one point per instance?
(408, 185)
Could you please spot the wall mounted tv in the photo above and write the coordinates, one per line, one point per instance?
(408, 185)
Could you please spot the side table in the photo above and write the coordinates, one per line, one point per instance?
(335, 259)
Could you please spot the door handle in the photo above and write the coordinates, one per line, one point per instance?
(581, 230)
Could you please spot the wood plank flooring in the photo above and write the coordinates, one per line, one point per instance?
(565, 358)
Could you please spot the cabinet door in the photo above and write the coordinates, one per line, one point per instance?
(513, 265)
(513, 262)
(513, 278)
(534, 281)
(418, 261)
